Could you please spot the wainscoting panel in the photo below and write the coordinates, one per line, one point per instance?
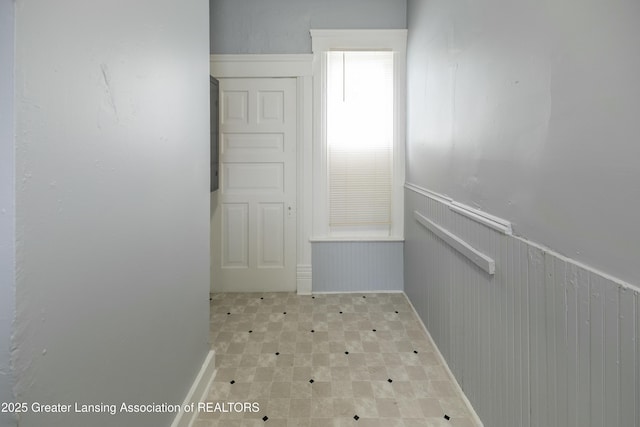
(544, 342)
(357, 266)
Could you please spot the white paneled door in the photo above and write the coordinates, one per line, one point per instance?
(254, 222)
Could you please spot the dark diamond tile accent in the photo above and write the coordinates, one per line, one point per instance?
(311, 381)
(355, 417)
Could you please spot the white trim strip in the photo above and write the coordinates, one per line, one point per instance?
(477, 257)
(428, 193)
(493, 222)
(490, 221)
(275, 65)
(197, 393)
(358, 292)
(287, 57)
(325, 40)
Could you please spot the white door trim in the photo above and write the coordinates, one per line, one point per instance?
(301, 68)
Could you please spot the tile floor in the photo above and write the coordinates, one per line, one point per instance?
(326, 361)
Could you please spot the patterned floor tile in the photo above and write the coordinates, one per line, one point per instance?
(327, 360)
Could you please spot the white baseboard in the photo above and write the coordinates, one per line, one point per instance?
(372, 291)
(197, 392)
(439, 355)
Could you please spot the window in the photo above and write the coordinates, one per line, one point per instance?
(359, 138)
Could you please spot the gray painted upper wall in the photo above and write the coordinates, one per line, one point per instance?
(282, 26)
(112, 205)
(530, 111)
(7, 205)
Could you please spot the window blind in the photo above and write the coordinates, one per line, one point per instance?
(359, 137)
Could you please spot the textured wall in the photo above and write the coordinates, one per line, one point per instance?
(543, 342)
(529, 111)
(7, 204)
(112, 205)
(357, 266)
(282, 26)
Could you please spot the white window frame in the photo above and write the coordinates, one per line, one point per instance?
(323, 41)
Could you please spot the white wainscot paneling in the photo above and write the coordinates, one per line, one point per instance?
(357, 266)
(544, 342)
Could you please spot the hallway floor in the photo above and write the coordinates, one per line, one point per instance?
(327, 361)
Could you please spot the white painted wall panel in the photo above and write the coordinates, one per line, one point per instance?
(611, 354)
(235, 107)
(637, 407)
(271, 223)
(572, 345)
(629, 357)
(252, 178)
(235, 235)
(596, 350)
(554, 342)
(584, 351)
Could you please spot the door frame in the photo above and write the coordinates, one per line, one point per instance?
(300, 67)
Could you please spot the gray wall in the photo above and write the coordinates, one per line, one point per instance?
(7, 204)
(112, 205)
(282, 26)
(529, 111)
(357, 266)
